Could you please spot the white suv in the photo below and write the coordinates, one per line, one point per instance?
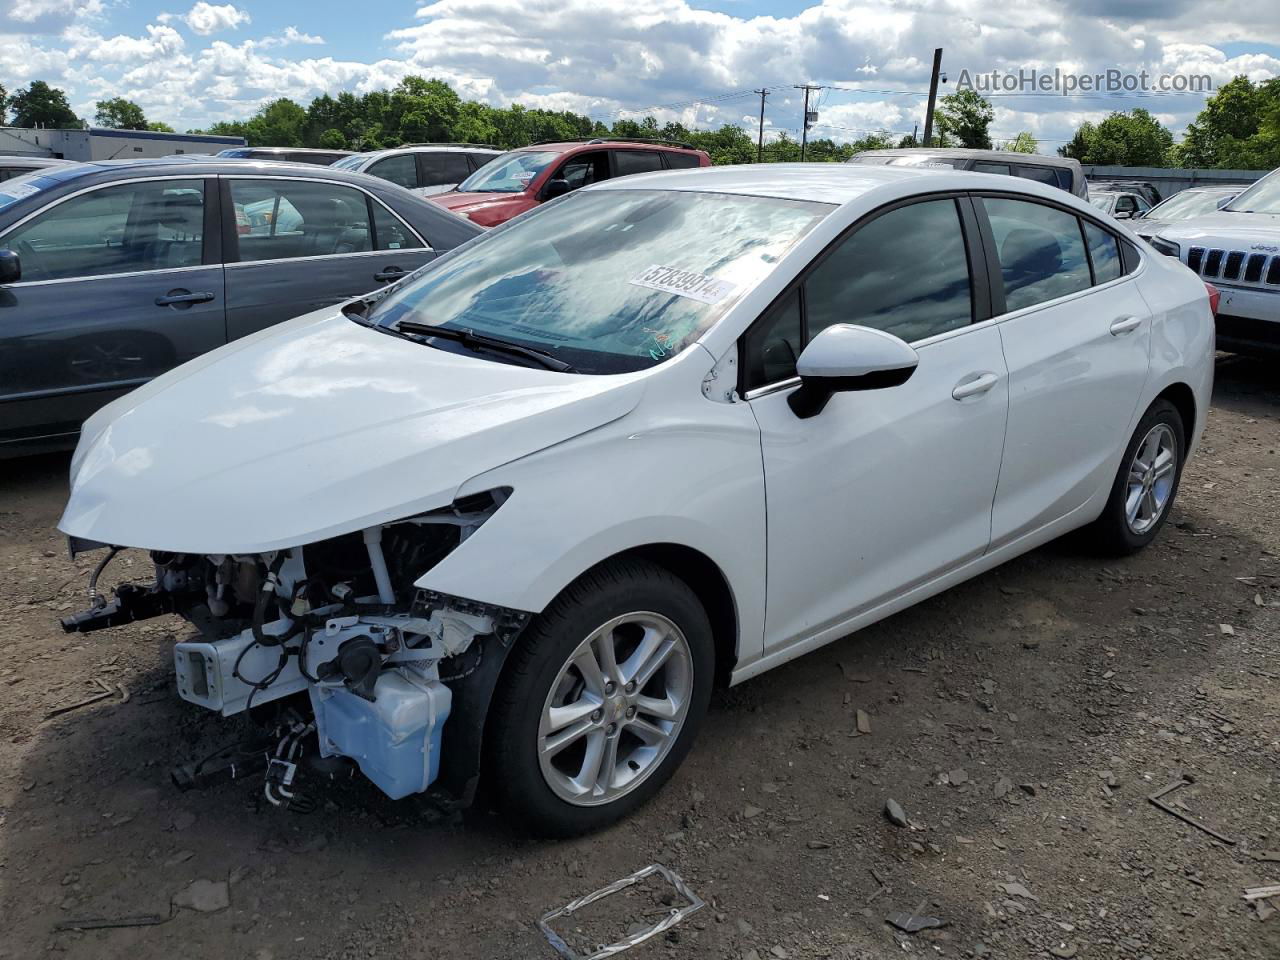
(1237, 249)
(425, 168)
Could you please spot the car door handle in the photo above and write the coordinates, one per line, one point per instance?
(182, 296)
(1123, 325)
(390, 273)
(975, 387)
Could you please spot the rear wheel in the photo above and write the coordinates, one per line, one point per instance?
(601, 701)
(1146, 484)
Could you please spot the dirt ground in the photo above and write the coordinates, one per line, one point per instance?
(1020, 720)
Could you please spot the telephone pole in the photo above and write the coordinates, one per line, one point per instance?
(804, 129)
(933, 95)
(764, 92)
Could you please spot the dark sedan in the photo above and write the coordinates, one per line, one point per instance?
(111, 273)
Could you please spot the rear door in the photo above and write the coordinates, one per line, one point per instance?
(295, 245)
(441, 172)
(119, 283)
(1076, 336)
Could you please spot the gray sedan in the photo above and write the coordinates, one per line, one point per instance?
(111, 273)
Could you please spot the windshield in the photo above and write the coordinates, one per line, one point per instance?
(909, 160)
(1262, 197)
(350, 163)
(607, 281)
(235, 153)
(1103, 201)
(1190, 203)
(509, 173)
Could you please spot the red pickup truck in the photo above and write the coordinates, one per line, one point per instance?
(520, 180)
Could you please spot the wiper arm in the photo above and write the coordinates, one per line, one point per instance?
(478, 341)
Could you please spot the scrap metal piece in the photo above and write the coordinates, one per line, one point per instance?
(107, 923)
(1183, 781)
(669, 919)
(915, 920)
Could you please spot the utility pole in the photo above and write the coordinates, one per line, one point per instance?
(764, 92)
(933, 95)
(804, 128)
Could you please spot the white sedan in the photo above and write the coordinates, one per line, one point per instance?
(508, 523)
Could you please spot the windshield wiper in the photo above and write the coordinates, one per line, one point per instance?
(478, 341)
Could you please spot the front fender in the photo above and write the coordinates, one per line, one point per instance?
(652, 477)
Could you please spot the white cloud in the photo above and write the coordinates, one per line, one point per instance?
(206, 18)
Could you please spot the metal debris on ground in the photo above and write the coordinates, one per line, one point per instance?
(1183, 781)
(915, 920)
(107, 923)
(1262, 893)
(106, 691)
(670, 919)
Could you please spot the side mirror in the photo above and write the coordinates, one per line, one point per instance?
(1224, 201)
(10, 267)
(555, 188)
(848, 357)
(1123, 214)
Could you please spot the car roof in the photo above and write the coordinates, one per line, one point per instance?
(33, 162)
(836, 183)
(106, 171)
(1007, 156)
(426, 148)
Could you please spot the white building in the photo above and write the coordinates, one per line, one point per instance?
(102, 143)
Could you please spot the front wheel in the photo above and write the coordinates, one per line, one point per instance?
(601, 700)
(1146, 484)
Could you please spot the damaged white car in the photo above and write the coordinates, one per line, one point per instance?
(509, 522)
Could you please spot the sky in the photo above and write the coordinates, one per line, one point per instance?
(696, 61)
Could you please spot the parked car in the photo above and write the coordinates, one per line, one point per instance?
(516, 518)
(1238, 249)
(1120, 204)
(425, 168)
(113, 272)
(1184, 205)
(518, 181)
(1059, 172)
(322, 158)
(11, 167)
(1143, 188)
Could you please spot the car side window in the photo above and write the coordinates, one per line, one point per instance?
(283, 219)
(636, 161)
(987, 166)
(154, 225)
(1104, 251)
(1125, 204)
(1041, 251)
(905, 272)
(390, 233)
(441, 168)
(584, 169)
(682, 161)
(1038, 174)
(401, 169)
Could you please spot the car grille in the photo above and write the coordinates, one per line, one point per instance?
(1235, 265)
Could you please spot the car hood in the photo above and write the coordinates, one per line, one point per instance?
(486, 209)
(1238, 231)
(312, 429)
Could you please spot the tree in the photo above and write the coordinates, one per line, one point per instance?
(1239, 128)
(159, 126)
(278, 124)
(41, 105)
(4, 103)
(908, 141)
(965, 116)
(119, 114)
(1024, 142)
(333, 139)
(1132, 139)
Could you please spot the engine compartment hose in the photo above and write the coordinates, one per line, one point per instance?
(271, 592)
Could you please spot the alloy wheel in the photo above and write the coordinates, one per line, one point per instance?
(1150, 480)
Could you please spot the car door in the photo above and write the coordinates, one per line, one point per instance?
(884, 489)
(295, 245)
(1076, 336)
(119, 283)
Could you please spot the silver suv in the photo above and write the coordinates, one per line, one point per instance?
(1059, 172)
(425, 168)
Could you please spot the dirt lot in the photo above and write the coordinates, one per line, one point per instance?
(1020, 720)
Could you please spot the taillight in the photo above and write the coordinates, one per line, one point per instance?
(1214, 297)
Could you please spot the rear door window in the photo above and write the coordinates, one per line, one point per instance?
(1041, 251)
(986, 166)
(439, 169)
(283, 219)
(401, 169)
(1038, 174)
(682, 161)
(636, 161)
(154, 225)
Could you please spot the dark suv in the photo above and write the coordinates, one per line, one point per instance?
(520, 180)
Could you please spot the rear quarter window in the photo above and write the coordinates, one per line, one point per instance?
(682, 161)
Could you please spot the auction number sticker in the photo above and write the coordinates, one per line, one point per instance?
(684, 283)
(19, 190)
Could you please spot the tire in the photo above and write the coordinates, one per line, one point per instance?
(627, 605)
(1115, 532)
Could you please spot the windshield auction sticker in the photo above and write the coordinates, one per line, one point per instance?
(684, 283)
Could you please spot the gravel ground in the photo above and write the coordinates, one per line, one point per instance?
(1020, 720)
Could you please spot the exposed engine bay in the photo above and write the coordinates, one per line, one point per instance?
(367, 664)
